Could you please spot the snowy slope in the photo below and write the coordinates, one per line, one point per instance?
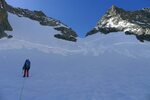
(31, 35)
(99, 67)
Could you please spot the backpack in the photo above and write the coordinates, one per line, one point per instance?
(27, 64)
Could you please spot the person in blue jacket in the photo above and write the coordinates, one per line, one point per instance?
(26, 68)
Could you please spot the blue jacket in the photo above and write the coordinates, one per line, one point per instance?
(27, 65)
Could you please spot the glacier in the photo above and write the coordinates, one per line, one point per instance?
(99, 67)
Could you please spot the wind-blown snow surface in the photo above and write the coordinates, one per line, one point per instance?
(99, 67)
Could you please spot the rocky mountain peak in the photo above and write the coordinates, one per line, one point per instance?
(114, 10)
(131, 22)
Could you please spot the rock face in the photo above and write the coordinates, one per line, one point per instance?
(131, 22)
(39, 16)
(4, 24)
(66, 34)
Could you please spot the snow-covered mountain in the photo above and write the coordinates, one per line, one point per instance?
(98, 67)
(66, 32)
(90, 69)
(130, 22)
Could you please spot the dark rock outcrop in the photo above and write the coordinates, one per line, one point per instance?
(4, 24)
(65, 37)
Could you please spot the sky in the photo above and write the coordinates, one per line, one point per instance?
(80, 15)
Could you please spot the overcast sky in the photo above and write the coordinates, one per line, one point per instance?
(81, 15)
